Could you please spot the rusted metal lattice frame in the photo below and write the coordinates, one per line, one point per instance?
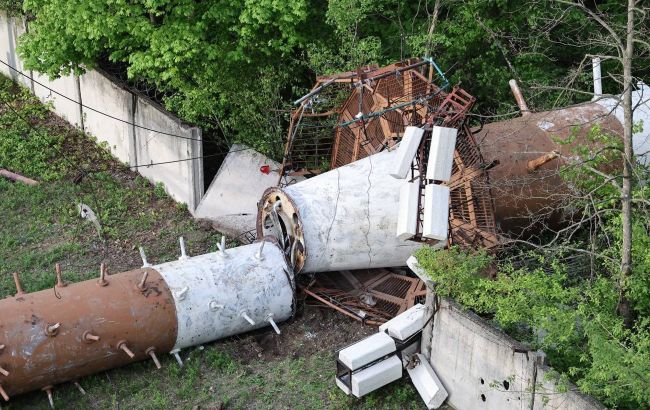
(377, 106)
(371, 296)
(324, 132)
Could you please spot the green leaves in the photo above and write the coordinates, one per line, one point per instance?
(26, 147)
(573, 320)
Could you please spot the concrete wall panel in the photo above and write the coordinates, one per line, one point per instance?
(104, 96)
(10, 29)
(182, 178)
(5, 44)
(177, 149)
(231, 199)
(483, 368)
(67, 108)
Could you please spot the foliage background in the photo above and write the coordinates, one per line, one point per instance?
(235, 66)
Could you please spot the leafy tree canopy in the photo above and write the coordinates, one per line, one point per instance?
(237, 64)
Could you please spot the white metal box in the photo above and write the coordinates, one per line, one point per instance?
(441, 153)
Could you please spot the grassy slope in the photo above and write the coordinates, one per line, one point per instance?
(40, 226)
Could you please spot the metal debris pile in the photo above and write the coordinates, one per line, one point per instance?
(352, 115)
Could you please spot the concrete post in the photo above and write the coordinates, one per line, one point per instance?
(81, 105)
(427, 331)
(132, 134)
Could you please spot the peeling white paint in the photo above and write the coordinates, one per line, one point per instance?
(218, 289)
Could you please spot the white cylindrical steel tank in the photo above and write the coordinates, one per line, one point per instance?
(224, 293)
(342, 219)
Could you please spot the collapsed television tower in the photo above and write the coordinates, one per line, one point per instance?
(402, 158)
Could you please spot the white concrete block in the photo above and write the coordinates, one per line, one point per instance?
(100, 95)
(435, 223)
(441, 153)
(427, 383)
(407, 217)
(406, 152)
(231, 199)
(406, 324)
(376, 376)
(367, 350)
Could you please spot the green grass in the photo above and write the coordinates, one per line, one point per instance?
(40, 226)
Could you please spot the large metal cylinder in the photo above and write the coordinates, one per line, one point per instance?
(342, 219)
(214, 293)
(119, 314)
(528, 153)
(62, 334)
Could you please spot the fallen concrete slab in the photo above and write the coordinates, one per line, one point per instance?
(230, 202)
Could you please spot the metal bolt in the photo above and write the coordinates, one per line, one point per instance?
(19, 287)
(52, 330)
(81, 389)
(269, 318)
(259, 256)
(3, 393)
(183, 253)
(151, 352)
(181, 294)
(142, 286)
(222, 246)
(177, 356)
(50, 398)
(244, 314)
(59, 279)
(122, 346)
(2, 348)
(89, 337)
(102, 276)
(145, 264)
(4, 372)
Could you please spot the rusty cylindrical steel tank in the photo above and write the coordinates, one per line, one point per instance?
(61, 334)
(526, 153)
(89, 327)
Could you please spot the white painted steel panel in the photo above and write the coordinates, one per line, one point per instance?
(407, 217)
(441, 153)
(406, 152)
(349, 217)
(427, 383)
(406, 324)
(367, 350)
(435, 223)
(342, 386)
(212, 291)
(376, 376)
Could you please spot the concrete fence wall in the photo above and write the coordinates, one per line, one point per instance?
(483, 368)
(137, 130)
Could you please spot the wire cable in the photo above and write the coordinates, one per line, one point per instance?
(101, 112)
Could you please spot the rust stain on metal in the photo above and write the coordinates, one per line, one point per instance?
(514, 143)
(50, 340)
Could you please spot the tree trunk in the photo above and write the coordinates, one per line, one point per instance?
(626, 188)
(432, 27)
